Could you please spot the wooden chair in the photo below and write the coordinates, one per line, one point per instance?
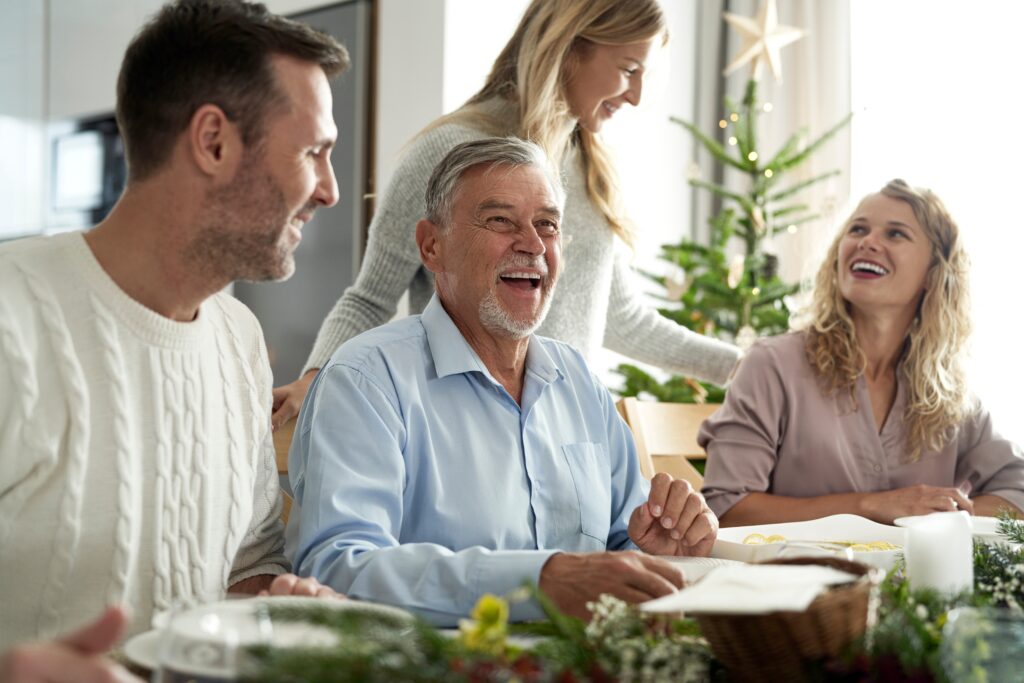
(666, 436)
(282, 442)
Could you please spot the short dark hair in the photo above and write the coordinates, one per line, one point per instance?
(196, 52)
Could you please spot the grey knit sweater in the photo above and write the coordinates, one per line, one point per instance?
(595, 303)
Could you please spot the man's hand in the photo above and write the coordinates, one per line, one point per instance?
(285, 584)
(885, 506)
(288, 399)
(675, 520)
(76, 658)
(571, 580)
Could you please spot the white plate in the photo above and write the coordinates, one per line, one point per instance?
(143, 649)
(730, 546)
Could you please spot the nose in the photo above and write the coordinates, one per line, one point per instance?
(868, 242)
(326, 192)
(529, 242)
(635, 91)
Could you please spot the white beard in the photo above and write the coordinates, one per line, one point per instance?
(495, 318)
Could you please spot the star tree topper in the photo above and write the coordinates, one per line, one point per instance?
(763, 39)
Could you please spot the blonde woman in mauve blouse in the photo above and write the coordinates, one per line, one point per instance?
(866, 411)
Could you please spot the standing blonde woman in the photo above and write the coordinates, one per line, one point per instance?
(570, 65)
(867, 410)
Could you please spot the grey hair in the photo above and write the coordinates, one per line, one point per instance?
(510, 152)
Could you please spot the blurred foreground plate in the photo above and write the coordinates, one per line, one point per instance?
(143, 649)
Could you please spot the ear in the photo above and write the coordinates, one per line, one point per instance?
(430, 243)
(214, 143)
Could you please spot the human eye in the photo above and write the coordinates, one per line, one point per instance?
(857, 229)
(546, 227)
(897, 233)
(630, 71)
(499, 223)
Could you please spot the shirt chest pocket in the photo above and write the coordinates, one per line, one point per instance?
(591, 478)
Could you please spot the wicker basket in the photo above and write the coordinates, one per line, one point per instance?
(778, 646)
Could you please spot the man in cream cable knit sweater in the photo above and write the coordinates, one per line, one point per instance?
(136, 461)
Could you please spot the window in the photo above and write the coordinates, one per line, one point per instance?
(936, 88)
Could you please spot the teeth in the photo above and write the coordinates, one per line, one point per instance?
(522, 276)
(870, 267)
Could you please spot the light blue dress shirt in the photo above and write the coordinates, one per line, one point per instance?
(421, 483)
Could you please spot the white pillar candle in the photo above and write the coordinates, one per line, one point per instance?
(939, 552)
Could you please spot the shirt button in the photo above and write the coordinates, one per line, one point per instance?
(877, 467)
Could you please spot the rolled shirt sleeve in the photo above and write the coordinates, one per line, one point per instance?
(989, 462)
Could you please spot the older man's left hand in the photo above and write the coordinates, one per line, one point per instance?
(290, 584)
(675, 520)
(285, 584)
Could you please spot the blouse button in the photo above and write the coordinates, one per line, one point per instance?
(876, 467)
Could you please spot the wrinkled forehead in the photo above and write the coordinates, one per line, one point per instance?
(497, 173)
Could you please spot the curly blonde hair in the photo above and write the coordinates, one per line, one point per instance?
(932, 367)
(531, 73)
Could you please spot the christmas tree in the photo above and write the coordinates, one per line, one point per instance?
(732, 289)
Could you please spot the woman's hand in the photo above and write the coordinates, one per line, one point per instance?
(288, 399)
(885, 506)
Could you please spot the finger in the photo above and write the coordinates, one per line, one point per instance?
(651, 584)
(690, 513)
(659, 493)
(631, 595)
(671, 573)
(99, 635)
(328, 592)
(283, 584)
(640, 521)
(306, 586)
(678, 492)
(700, 528)
(962, 501)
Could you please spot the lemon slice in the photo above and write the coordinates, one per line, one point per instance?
(755, 539)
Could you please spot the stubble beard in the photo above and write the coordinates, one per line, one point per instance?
(243, 230)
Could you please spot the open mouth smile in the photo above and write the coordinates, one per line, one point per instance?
(524, 280)
(868, 269)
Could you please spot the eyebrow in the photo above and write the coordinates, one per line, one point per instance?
(492, 204)
(888, 223)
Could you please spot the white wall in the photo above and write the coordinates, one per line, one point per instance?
(22, 112)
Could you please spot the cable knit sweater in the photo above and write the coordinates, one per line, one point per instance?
(136, 464)
(596, 302)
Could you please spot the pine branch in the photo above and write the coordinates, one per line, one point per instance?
(796, 221)
(785, 211)
(722, 191)
(710, 144)
(789, 192)
(787, 164)
(788, 148)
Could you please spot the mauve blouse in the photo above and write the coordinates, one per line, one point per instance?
(779, 433)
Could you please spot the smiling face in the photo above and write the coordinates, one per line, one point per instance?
(255, 221)
(883, 258)
(497, 262)
(605, 78)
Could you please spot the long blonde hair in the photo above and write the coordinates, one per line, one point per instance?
(933, 357)
(531, 73)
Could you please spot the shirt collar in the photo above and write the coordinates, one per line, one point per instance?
(453, 355)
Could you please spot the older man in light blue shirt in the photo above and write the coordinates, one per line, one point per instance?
(454, 453)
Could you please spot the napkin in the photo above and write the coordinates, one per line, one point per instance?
(752, 589)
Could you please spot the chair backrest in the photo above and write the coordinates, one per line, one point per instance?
(283, 442)
(666, 436)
